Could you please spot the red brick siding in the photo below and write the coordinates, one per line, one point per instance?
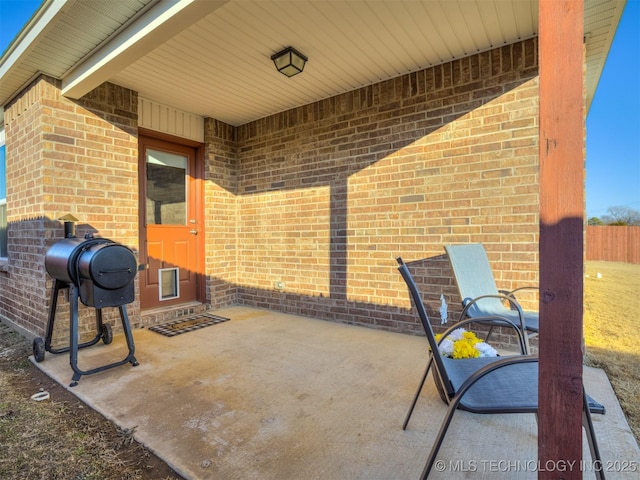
(220, 213)
(65, 156)
(23, 286)
(322, 197)
(330, 193)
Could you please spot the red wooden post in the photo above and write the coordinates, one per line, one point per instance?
(561, 25)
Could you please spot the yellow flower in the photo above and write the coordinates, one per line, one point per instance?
(471, 337)
(460, 343)
(464, 349)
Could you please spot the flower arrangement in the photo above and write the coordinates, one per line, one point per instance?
(463, 344)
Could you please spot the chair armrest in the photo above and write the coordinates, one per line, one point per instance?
(512, 293)
(526, 287)
(515, 306)
(469, 302)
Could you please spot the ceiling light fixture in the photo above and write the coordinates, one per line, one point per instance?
(289, 61)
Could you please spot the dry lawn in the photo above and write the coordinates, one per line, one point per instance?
(610, 328)
(60, 438)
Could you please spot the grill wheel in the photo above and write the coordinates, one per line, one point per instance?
(107, 334)
(38, 349)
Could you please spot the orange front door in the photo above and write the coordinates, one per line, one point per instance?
(169, 223)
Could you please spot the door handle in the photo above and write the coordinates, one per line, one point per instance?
(193, 232)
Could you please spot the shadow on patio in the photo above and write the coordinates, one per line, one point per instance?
(269, 395)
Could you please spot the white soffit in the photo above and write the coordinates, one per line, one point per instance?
(221, 68)
(601, 17)
(59, 36)
(212, 58)
(161, 22)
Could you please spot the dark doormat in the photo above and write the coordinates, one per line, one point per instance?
(189, 324)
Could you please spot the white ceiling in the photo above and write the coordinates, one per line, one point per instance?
(212, 58)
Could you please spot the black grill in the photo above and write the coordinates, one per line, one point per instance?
(98, 272)
(102, 269)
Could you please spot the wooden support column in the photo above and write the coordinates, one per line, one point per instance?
(561, 25)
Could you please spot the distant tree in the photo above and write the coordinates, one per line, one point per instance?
(621, 216)
(595, 221)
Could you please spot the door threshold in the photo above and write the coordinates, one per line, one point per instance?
(170, 308)
(158, 315)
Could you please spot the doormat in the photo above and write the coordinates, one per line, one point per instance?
(184, 325)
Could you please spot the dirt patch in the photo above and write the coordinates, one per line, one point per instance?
(61, 437)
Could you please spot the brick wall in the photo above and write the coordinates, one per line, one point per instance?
(220, 207)
(23, 285)
(330, 193)
(320, 199)
(64, 156)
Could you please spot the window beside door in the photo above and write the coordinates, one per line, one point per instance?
(3, 198)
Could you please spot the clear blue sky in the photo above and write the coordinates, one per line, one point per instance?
(613, 122)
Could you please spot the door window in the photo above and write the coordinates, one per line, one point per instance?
(166, 188)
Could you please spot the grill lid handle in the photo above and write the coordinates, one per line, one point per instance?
(116, 270)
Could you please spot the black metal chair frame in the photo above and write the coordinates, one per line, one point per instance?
(474, 384)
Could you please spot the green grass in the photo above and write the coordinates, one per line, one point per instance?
(611, 338)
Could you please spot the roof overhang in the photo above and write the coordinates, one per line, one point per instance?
(161, 22)
(212, 58)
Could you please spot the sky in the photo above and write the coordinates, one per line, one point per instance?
(613, 121)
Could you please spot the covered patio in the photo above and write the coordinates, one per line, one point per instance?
(269, 395)
(302, 194)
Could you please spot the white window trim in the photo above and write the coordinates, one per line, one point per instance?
(3, 201)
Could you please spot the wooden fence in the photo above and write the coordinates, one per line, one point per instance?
(613, 244)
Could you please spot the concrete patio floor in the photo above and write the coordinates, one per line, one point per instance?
(275, 396)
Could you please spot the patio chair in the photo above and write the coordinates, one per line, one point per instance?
(480, 295)
(486, 385)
